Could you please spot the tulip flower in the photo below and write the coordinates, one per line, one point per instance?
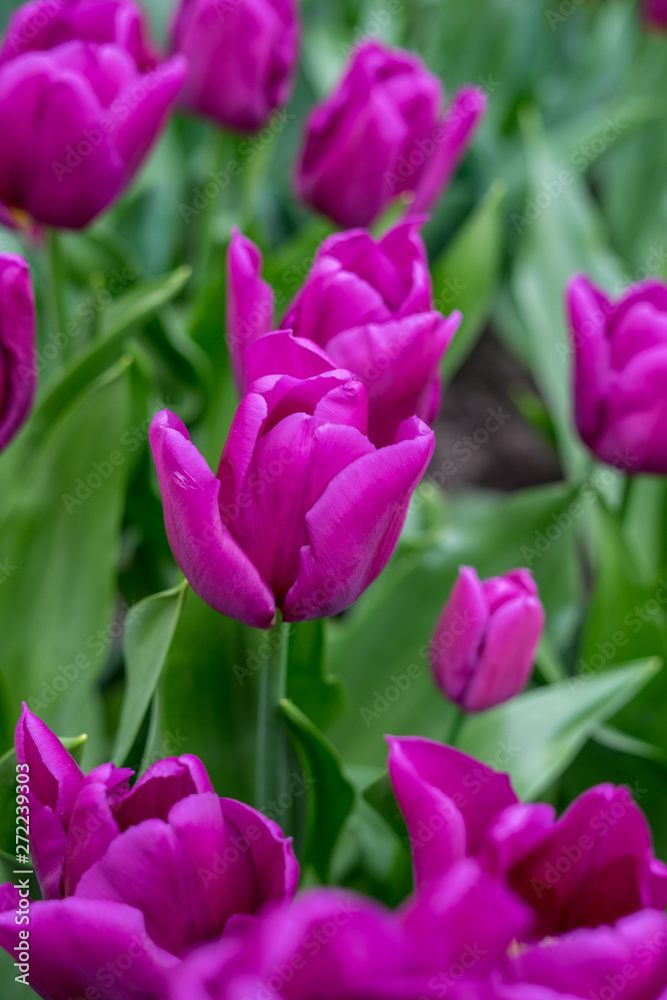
(383, 133)
(343, 946)
(368, 305)
(83, 101)
(579, 871)
(242, 56)
(132, 879)
(483, 647)
(620, 373)
(304, 511)
(655, 13)
(18, 372)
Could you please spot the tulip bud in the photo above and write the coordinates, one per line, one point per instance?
(368, 305)
(18, 373)
(483, 647)
(242, 56)
(620, 373)
(83, 100)
(304, 512)
(655, 13)
(384, 133)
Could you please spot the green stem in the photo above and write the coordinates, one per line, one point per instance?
(271, 767)
(625, 498)
(57, 276)
(455, 729)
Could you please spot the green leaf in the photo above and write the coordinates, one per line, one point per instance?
(332, 795)
(536, 736)
(127, 311)
(380, 647)
(60, 534)
(465, 276)
(380, 794)
(149, 630)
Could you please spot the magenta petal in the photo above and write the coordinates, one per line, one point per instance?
(588, 311)
(506, 663)
(164, 783)
(225, 881)
(55, 777)
(466, 914)
(214, 563)
(458, 635)
(92, 825)
(249, 303)
(463, 118)
(354, 527)
(18, 372)
(398, 362)
(76, 943)
(448, 799)
(138, 130)
(272, 853)
(282, 353)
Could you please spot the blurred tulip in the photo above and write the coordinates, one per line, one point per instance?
(483, 648)
(18, 371)
(242, 56)
(655, 13)
(620, 373)
(83, 101)
(382, 133)
(368, 304)
(142, 874)
(304, 512)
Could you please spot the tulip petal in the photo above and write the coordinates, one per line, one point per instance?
(354, 526)
(249, 303)
(282, 353)
(160, 788)
(212, 560)
(449, 801)
(55, 777)
(398, 362)
(462, 120)
(92, 825)
(18, 371)
(272, 852)
(507, 655)
(458, 635)
(588, 310)
(76, 943)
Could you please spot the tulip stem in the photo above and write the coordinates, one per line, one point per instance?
(57, 275)
(271, 766)
(455, 729)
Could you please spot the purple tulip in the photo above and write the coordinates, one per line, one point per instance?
(368, 304)
(655, 13)
(483, 647)
(593, 866)
(620, 373)
(383, 133)
(133, 879)
(242, 56)
(18, 372)
(338, 945)
(83, 101)
(304, 511)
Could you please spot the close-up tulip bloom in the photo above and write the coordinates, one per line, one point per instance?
(341, 945)
(384, 132)
(84, 101)
(620, 373)
(304, 511)
(242, 57)
(592, 866)
(18, 372)
(483, 648)
(368, 304)
(143, 873)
